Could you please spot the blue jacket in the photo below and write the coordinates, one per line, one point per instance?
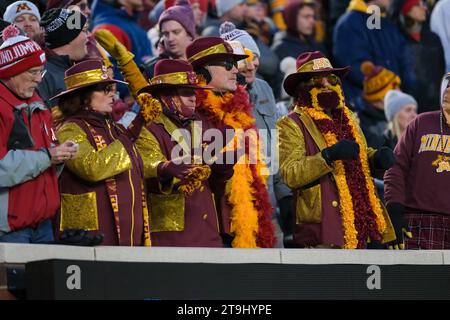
(105, 14)
(355, 43)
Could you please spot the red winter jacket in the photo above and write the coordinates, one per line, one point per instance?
(28, 182)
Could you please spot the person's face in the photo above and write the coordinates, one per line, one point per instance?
(237, 13)
(135, 5)
(188, 100)
(418, 12)
(102, 100)
(24, 84)
(406, 114)
(306, 21)
(383, 4)
(79, 45)
(224, 75)
(29, 23)
(256, 11)
(446, 101)
(175, 38)
(83, 7)
(324, 80)
(198, 14)
(250, 72)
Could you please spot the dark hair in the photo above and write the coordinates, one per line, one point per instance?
(79, 100)
(203, 72)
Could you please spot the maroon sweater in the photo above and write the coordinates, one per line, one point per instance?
(417, 180)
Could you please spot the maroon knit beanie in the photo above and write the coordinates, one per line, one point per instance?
(290, 14)
(182, 13)
(59, 4)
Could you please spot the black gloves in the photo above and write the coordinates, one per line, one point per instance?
(384, 158)
(343, 150)
(135, 127)
(286, 219)
(79, 237)
(286, 214)
(400, 226)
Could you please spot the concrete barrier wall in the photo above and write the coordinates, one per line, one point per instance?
(21, 254)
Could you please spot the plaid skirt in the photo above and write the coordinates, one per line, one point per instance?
(429, 231)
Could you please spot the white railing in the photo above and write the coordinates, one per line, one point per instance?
(20, 254)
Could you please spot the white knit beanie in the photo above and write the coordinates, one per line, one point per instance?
(228, 32)
(394, 101)
(223, 6)
(19, 8)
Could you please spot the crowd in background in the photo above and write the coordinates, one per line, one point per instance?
(397, 57)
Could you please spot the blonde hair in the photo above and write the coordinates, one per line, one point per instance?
(394, 127)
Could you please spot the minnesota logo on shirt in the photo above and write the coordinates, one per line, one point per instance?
(432, 142)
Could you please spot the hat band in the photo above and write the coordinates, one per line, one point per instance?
(175, 78)
(219, 48)
(86, 77)
(315, 65)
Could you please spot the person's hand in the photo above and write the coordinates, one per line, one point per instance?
(79, 237)
(134, 129)
(174, 169)
(384, 158)
(63, 152)
(342, 150)
(116, 49)
(401, 228)
(150, 108)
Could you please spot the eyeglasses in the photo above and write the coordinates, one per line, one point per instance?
(37, 72)
(107, 89)
(318, 80)
(227, 64)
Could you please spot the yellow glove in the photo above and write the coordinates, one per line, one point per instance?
(116, 49)
(130, 71)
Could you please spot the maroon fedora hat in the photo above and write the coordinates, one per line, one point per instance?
(208, 49)
(309, 64)
(173, 74)
(84, 74)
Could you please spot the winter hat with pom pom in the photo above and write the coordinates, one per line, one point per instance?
(182, 13)
(18, 53)
(378, 81)
(228, 32)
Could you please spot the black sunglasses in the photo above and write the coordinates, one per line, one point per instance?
(227, 64)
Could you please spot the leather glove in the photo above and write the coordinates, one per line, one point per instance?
(135, 127)
(172, 169)
(384, 158)
(129, 69)
(401, 228)
(116, 49)
(79, 237)
(343, 150)
(286, 214)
